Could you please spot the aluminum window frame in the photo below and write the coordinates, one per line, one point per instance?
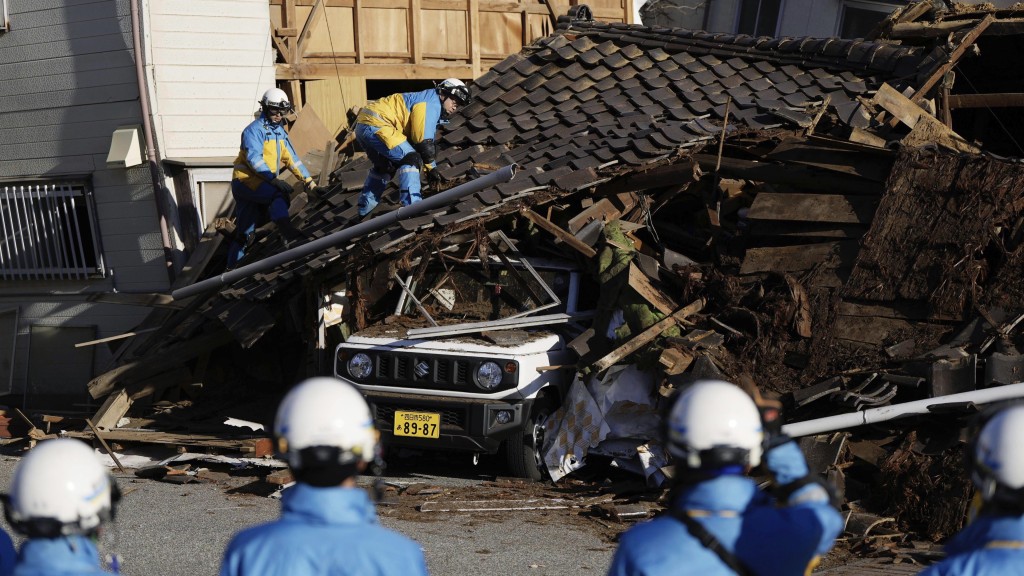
(884, 6)
(30, 249)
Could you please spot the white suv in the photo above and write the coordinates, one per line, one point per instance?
(466, 391)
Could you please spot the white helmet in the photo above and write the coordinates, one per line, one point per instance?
(60, 488)
(276, 99)
(324, 421)
(455, 89)
(713, 424)
(998, 465)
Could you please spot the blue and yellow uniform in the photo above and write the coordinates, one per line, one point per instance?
(988, 546)
(767, 536)
(265, 153)
(323, 532)
(398, 131)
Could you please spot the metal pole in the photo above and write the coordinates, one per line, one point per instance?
(926, 406)
(499, 176)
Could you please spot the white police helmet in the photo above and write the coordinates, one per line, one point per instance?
(455, 89)
(60, 488)
(325, 413)
(998, 464)
(276, 99)
(714, 423)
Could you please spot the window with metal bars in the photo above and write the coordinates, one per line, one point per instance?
(48, 231)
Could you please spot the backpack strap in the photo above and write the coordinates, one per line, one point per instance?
(710, 542)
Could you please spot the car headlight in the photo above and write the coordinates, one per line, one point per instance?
(360, 366)
(488, 375)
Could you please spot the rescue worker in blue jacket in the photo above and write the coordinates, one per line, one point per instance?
(265, 153)
(993, 542)
(61, 496)
(719, 521)
(397, 132)
(328, 525)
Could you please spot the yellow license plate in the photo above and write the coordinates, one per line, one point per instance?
(417, 424)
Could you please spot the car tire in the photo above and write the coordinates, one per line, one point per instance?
(523, 448)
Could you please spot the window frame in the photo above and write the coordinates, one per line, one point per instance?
(882, 6)
(79, 254)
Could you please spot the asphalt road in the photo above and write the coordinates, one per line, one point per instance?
(532, 529)
(172, 529)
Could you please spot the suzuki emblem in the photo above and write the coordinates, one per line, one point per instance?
(422, 368)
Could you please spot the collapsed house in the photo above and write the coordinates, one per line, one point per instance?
(814, 215)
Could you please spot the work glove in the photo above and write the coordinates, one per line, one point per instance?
(434, 178)
(285, 188)
(312, 190)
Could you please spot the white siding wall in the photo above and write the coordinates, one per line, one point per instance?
(67, 80)
(211, 61)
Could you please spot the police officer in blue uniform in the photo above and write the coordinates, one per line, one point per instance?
(398, 132)
(328, 525)
(60, 497)
(256, 187)
(993, 542)
(719, 522)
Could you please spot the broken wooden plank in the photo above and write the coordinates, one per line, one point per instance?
(675, 361)
(830, 208)
(558, 233)
(642, 284)
(602, 210)
(906, 111)
(797, 258)
(248, 444)
(647, 335)
(112, 338)
(103, 443)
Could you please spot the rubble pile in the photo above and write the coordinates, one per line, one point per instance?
(797, 213)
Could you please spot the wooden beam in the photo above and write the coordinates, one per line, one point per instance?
(999, 100)
(647, 335)
(642, 284)
(425, 71)
(283, 49)
(558, 233)
(358, 16)
(954, 58)
(474, 37)
(927, 30)
(830, 208)
(307, 29)
(290, 21)
(416, 37)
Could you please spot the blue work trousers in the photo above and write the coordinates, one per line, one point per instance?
(251, 208)
(380, 156)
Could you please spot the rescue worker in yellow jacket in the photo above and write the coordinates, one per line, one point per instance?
(397, 132)
(265, 153)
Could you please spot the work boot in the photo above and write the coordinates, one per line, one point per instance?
(290, 235)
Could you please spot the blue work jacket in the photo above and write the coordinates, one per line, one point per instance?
(65, 556)
(769, 538)
(323, 532)
(411, 116)
(989, 546)
(264, 153)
